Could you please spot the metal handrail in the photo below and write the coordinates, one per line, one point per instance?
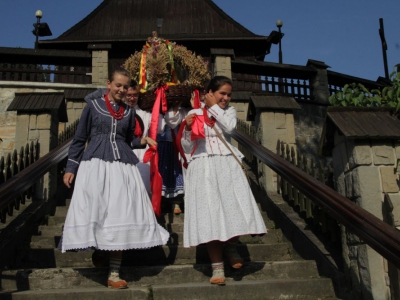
(382, 237)
(21, 182)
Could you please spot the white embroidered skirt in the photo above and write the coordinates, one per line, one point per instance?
(110, 210)
(219, 203)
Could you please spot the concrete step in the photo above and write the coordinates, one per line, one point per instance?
(305, 289)
(41, 279)
(98, 293)
(49, 231)
(51, 241)
(163, 255)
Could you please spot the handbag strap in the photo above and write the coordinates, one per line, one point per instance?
(229, 148)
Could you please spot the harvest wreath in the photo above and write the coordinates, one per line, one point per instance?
(167, 74)
(163, 64)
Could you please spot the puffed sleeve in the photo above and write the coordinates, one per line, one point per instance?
(77, 147)
(97, 94)
(226, 118)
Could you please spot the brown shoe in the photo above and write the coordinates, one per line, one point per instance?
(234, 258)
(218, 280)
(120, 284)
(177, 209)
(236, 263)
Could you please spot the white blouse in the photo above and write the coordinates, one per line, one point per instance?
(225, 123)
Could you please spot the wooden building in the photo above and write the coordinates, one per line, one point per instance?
(122, 26)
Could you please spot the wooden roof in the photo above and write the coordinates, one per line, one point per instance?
(270, 102)
(43, 56)
(77, 93)
(130, 22)
(24, 102)
(362, 123)
(275, 102)
(241, 96)
(136, 19)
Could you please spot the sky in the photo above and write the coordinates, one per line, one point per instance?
(341, 33)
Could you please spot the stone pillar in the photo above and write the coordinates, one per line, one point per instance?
(222, 66)
(74, 110)
(222, 62)
(275, 126)
(319, 83)
(363, 172)
(241, 109)
(99, 62)
(41, 127)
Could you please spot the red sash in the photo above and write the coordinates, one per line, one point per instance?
(152, 154)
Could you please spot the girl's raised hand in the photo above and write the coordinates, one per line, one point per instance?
(189, 121)
(210, 99)
(149, 141)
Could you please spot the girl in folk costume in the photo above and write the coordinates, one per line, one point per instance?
(219, 205)
(168, 164)
(110, 208)
(174, 118)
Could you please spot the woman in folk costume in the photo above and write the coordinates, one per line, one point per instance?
(219, 205)
(110, 208)
(174, 118)
(168, 164)
(142, 122)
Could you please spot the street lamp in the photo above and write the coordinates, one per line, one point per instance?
(279, 24)
(38, 15)
(41, 29)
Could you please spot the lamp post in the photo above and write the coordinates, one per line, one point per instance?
(279, 24)
(38, 15)
(40, 29)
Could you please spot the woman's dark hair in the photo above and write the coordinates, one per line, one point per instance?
(120, 71)
(133, 84)
(217, 81)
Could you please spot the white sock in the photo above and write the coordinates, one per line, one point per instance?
(218, 270)
(115, 264)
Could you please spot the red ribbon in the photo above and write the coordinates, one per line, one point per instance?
(196, 103)
(198, 126)
(138, 131)
(151, 154)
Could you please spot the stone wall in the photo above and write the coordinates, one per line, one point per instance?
(8, 119)
(364, 172)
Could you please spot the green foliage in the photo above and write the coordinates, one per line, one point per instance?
(356, 94)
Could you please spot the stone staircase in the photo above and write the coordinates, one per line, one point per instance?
(272, 270)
